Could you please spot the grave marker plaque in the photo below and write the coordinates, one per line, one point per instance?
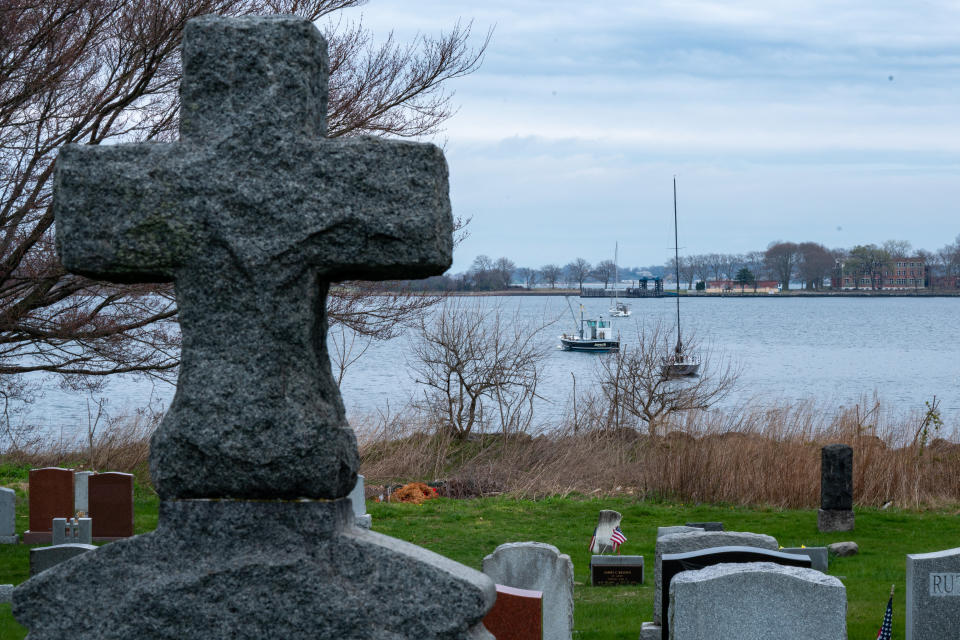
(616, 570)
(51, 496)
(110, 496)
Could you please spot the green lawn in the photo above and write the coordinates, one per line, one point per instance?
(466, 530)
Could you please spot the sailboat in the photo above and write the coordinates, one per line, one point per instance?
(619, 309)
(680, 362)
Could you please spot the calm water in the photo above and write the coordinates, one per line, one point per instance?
(832, 349)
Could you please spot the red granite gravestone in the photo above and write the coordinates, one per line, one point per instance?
(516, 615)
(110, 496)
(51, 496)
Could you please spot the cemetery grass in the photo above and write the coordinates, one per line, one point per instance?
(467, 530)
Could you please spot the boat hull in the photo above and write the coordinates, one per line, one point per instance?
(594, 346)
(681, 370)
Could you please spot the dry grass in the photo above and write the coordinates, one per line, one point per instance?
(745, 456)
(750, 455)
(120, 443)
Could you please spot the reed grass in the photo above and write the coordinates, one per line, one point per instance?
(748, 455)
(751, 455)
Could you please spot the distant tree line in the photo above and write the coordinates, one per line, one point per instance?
(809, 265)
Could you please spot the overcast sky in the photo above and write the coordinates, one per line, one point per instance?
(834, 122)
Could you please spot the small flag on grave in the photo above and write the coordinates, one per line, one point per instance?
(885, 632)
(617, 538)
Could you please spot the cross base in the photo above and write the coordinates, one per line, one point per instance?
(247, 570)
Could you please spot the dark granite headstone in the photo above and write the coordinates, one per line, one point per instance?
(110, 499)
(674, 563)
(51, 496)
(707, 526)
(836, 489)
(516, 615)
(252, 213)
(836, 477)
(616, 570)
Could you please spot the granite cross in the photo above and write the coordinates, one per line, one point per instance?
(251, 214)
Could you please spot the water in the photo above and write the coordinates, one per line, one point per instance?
(835, 350)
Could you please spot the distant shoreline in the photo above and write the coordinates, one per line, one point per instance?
(728, 294)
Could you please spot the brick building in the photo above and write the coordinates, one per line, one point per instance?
(898, 274)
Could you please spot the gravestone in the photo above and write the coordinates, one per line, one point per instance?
(666, 531)
(707, 526)
(6, 593)
(251, 214)
(81, 503)
(819, 556)
(607, 521)
(43, 558)
(72, 531)
(359, 501)
(933, 595)
(757, 601)
(110, 498)
(516, 615)
(51, 496)
(8, 516)
(673, 564)
(539, 567)
(696, 541)
(836, 488)
(615, 570)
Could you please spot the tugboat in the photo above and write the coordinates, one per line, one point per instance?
(594, 335)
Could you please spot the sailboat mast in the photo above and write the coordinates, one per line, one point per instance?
(616, 273)
(676, 261)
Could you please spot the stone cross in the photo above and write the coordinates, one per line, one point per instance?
(251, 214)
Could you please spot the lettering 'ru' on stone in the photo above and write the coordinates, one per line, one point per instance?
(933, 595)
(251, 214)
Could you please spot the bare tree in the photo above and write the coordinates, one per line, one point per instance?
(78, 71)
(635, 383)
(868, 260)
(754, 261)
(550, 274)
(781, 259)
(688, 271)
(815, 264)
(528, 276)
(579, 270)
(504, 268)
(604, 271)
(898, 248)
(479, 369)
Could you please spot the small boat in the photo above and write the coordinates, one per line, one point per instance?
(679, 363)
(618, 310)
(594, 335)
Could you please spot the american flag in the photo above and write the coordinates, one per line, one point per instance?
(886, 630)
(617, 538)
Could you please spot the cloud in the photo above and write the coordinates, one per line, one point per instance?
(774, 112)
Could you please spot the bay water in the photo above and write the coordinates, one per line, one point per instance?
(834, 350)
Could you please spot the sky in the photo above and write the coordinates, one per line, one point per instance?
(833, 122)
